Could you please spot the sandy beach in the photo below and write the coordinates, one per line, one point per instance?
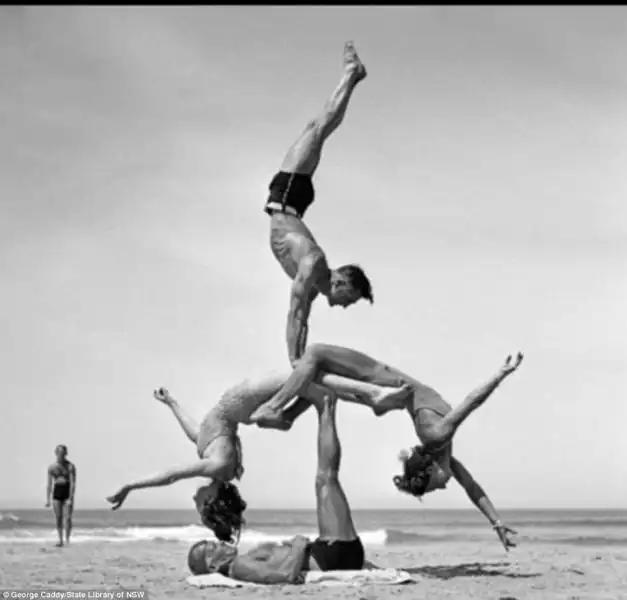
(444, 570)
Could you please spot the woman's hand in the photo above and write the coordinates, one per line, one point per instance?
(509, 367)
(505, 534)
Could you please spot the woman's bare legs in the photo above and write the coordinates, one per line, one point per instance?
(304, 155)
(378, 398)
(187, 423)
(355, 369)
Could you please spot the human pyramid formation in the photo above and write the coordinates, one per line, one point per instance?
(320, 375)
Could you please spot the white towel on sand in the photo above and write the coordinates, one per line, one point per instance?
(354, 578)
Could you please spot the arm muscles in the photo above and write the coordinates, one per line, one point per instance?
(300, 303)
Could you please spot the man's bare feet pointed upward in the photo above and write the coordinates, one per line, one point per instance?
(353, 64)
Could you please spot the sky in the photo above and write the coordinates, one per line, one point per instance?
(479, 179)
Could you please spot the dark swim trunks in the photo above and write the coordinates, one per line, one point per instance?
(337, 555)
(61, 491)
(290, 193)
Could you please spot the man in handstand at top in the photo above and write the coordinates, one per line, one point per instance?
(291, 193)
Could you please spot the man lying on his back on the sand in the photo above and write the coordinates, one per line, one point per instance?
(338, 546)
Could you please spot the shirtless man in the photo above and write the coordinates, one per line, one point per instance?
(291, 193)
(337, 547)
(428, 467)
(217, 441)
(61, 485)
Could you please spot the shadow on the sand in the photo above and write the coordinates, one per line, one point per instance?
(469, 570)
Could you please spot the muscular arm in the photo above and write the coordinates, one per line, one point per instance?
(310, 270)
(475, 492)
(246, 568)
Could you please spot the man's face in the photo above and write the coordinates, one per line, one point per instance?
(218, 555)
(60, 452)
(342, 293)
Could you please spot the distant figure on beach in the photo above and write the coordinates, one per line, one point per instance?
(61, 487)
(291, 194)
(338, 546)
(428, 467)
(217, 441)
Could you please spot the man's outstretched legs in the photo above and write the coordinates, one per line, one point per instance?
(187, 423)
(322, 359)
(304, 155)
(338, 545)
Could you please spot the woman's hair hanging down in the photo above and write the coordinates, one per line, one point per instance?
(417, 469)
(224, 514)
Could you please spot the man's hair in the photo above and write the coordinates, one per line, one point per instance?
(61, 447)
(224, 514)
(417, 469)
(358, 280)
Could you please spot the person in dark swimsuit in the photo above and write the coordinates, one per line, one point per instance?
(61, 488)
(291, 194)
(338, 546)
(428, 467)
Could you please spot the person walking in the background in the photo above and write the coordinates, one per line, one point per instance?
(61, 488)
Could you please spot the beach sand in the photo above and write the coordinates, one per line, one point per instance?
(446, 570)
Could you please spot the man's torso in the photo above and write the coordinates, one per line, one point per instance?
(291, 241)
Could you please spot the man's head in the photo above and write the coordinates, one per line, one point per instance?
(348, 285)
(421, 473)
(221, 509)
(61, 452)
(210, 557)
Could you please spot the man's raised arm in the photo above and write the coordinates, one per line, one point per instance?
(311, 268)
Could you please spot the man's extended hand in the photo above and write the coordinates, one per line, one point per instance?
(504, 532)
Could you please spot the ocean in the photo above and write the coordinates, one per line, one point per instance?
(377, 528)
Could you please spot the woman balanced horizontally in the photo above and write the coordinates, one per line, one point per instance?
(216, 438)
(426, 468)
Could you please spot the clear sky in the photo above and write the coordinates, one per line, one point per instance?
(479, 178)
